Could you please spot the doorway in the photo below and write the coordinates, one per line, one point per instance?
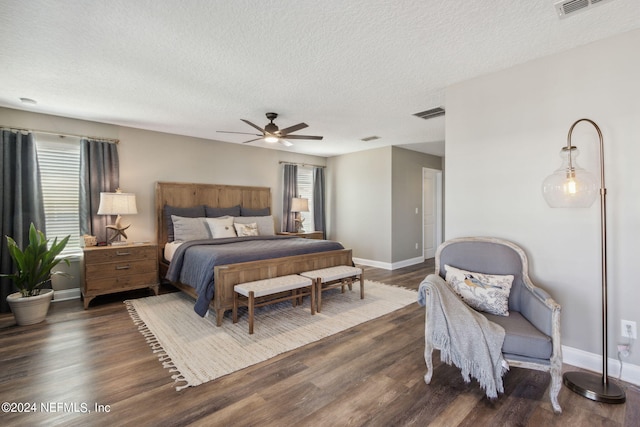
(431, 211)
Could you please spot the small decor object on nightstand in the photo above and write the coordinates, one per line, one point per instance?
(298, 205)
(117, 203)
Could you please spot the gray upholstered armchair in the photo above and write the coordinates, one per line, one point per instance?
(532, 328)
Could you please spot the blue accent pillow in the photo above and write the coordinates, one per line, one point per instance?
(192, 212)
(218, 212)
(255, 212)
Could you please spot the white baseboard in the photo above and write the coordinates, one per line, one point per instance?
(388, 265)
(593, 362)
(66, 294)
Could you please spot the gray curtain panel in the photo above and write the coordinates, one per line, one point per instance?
(289, 190)
(21, 193)
(318, 201)
(99, 172)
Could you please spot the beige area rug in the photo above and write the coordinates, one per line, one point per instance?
(197, 351)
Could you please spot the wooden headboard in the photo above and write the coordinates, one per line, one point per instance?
(186, 195)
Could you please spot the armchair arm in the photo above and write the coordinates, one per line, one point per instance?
(537, 306)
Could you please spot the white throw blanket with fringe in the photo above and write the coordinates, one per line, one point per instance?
(464, 337)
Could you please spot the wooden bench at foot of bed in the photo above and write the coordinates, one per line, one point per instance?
(227, 276)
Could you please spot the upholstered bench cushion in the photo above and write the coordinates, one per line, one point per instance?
(271, 286)
(521, 337)
(333, 273)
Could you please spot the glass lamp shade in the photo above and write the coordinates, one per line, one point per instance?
(570, 186)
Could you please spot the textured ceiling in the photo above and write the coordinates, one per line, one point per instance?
(350, 69)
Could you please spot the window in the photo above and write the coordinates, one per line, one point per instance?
(59, 159)
(305, 190)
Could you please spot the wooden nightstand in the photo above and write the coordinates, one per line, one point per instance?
(308, 235)
(110, 269)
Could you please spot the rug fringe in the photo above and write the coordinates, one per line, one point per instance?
(156, 347)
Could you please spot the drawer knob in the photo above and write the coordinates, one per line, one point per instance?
(118, 253)
(122, 267)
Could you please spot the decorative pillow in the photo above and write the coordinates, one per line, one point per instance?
(266, 226)
(246, 229)
(192, 212)
(189, 228)
(484, 292)
(255, 212)
(218, 212)
(221, 227)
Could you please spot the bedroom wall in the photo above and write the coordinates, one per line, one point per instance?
(406, 224)
(504, 134)
(381, 187)
(147, 157)
(359, 202)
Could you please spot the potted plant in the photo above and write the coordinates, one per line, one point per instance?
(33, 264)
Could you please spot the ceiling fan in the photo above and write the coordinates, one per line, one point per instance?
(271, 132)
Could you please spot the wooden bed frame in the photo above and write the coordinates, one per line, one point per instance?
(227, 276)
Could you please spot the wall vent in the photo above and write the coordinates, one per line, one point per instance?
(370, 138)
(566, 8)
(430, 114)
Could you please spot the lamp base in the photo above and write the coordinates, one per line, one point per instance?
(592, 387)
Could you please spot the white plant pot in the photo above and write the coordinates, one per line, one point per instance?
(30, 310)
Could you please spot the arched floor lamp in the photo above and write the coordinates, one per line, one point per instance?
(573, 187)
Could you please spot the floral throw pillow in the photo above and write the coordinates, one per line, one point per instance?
(484, 292)
(246, 229)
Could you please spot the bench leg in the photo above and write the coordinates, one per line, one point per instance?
(252, 301)
(235, 307)
(319, 292)
(313, 297)
(362, 285)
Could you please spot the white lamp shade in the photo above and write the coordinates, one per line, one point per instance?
(570, 186)
(117, 204)
(299, 205)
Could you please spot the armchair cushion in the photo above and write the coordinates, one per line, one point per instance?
(522, 338)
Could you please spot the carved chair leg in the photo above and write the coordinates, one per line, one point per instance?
(554, 390)
(428, 346)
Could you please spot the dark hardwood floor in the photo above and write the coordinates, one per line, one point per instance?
(370, 375)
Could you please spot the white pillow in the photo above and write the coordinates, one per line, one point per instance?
(185, 229)
(246, 229)
(266, 226)
(484, 292)
(221, 227)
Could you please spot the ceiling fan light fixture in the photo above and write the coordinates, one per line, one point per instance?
(271, 138)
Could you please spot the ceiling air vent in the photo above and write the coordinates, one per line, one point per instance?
(430, 114)
(370, 138)
(565, 8)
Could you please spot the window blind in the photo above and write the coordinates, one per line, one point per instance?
(59, 160)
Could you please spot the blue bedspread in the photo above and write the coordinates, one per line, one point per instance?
(193, 262)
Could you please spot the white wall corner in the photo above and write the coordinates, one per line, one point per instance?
(388, 265)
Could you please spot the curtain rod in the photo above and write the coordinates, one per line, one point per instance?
(301, 164)
(44, 132)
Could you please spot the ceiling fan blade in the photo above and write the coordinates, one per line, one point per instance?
(252, 125)
(285, 142)
(293, 128)
(304, 137)
(242, 133)
(251, 140)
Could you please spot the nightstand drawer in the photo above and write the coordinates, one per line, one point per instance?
(114, 284)
(109, 269)
(121, 268)
(120, 254)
